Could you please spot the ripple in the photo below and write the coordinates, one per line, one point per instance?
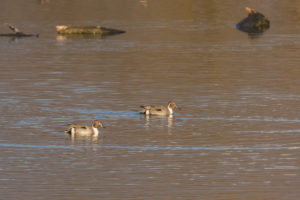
(265, 119)
(271, 131)
(111, 113)
(156, 148)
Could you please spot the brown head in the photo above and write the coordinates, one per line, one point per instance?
(172, 105)
(97, 124)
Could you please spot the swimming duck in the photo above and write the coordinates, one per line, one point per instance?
(84, 130)
(158, 109)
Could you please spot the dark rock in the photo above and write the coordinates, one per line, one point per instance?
(17, 33)
(255, 22)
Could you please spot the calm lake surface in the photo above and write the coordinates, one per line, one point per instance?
(237, 135)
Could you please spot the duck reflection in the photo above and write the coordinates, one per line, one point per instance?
(85, 140)
(169, 120)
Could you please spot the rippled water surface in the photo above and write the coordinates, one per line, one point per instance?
(237, 135)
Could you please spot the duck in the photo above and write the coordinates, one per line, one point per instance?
(158, 109)
(84, 130)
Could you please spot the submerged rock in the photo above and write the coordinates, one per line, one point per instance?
(17, 33)
(254, 23)
(87, 30)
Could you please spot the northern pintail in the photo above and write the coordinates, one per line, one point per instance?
(84, 130)
(158, 109)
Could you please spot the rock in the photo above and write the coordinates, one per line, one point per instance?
(87, 30)
(255, 22)
(17, 33)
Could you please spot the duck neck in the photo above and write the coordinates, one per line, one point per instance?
(73, 131)
(96, 131)
(147, 112)
(170, 110)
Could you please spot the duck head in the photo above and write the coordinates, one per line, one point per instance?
(97, 124)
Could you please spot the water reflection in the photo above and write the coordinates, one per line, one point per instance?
(153, 120)
(144, 3)
(44, 1)
(254, 36)
(227, 150)
(147, 118)
(61, 38)
(92, 141)
(14, 39)
(170, 121)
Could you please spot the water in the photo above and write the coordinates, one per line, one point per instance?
(235, 137)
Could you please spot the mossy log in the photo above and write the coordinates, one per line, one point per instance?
(254, 23)
(16, 33)
(87, 30)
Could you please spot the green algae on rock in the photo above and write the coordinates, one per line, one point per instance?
(255, 22)
(87, 30)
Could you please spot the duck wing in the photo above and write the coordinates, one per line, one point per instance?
(154, 109)
(145, 108)
(76, 126)
(157, 108)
